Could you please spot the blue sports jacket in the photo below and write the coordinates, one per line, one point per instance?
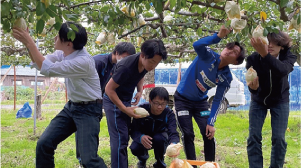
(203, 74)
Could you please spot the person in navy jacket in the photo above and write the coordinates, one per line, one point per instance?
(270, 90)
(156, 131)
(208, 70)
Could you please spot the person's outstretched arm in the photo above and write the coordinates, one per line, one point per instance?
(200, 45)
(24, 37)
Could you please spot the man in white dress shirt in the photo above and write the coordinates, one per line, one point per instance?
(83, 111)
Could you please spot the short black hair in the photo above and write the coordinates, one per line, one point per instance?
(153, 47)
(242, 54)
(80, 39)
(161, 92)
(124, 47)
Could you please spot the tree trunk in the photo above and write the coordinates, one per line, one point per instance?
(38, 107)
(149, 78)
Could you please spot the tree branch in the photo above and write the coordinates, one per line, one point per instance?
(152, 18)
(132, 31)
(207, 5)
(283, 15)
(164, 34)
(85, 3)
(196, 14)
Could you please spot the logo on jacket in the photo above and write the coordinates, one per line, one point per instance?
(200, 86)
(220, 78)
(206, 80)
(212, 67)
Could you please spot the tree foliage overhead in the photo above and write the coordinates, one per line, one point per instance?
(177, 22)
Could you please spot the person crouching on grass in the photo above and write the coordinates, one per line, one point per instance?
(83, 111)
(156, 131)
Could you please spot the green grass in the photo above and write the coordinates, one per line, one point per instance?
(18, 141)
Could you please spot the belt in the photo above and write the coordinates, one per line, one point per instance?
(97, 101)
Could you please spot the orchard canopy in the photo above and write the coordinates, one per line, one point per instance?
(177, 22)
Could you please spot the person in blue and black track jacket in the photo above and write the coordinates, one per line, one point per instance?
(156, 131)
(208, 70)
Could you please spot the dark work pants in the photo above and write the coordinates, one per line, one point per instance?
(81, 118)
(118, 126)
(186, 109)
(279, 121)
(159, 145)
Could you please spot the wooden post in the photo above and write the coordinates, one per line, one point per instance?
(38, 107)
(66, 95)
(15, 88)
(5, 74)
(51, 86)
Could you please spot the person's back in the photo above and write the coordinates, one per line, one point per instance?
(104, 63)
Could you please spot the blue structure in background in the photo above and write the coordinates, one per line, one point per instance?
(169, 76)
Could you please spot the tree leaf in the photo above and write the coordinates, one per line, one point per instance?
(299, 20)
(6, 25)
(51, 11)
(57, 25)
(46, 2)
(40, 8)
(172, 3)
(158, 6)
(73, 27)
(26, 2)
(40, 26)
(199, 31)
(265, 32)
(147, 6)
(105, 8)
(71, 35)
(263, 16)
(5, 9)
(31, 18)
(283, 3)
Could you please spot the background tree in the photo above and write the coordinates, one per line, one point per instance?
(177, 22)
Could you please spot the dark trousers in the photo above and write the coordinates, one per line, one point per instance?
(159, 144)
(81, 118)
(279, 120)
(186, 109)
(118, 126)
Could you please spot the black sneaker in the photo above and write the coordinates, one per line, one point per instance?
(141, 164)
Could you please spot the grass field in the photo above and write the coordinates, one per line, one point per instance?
(18, 141)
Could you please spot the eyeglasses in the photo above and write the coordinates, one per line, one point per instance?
(158, 104)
